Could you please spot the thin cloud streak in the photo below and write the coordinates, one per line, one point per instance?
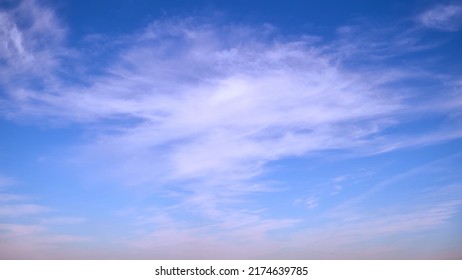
(5, 197)
(32, 41)
(5, 182)
(14, 210)
(20, 241)
(196, 111)
(244, 100)
(442, 17)
(27, 231)
(62, 220)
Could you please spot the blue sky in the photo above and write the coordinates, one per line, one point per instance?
(230, 129)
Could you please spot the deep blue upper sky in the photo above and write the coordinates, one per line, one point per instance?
(293, 16)
(254, 129)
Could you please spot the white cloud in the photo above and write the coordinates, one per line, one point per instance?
(14, 210)
(233, 99)
(223, 109)
(30, 233)
(5, 182)
(6, 197)
(310, 202)
(442, 17)
(393, 225)
(30, 241)
(20, 230)
(244, 235)
(235, 235)
(196, 111)
(62, 220)
(31, 46)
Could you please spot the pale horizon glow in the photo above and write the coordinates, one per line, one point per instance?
(209, 136)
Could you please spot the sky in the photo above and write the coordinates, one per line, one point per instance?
(230, 129)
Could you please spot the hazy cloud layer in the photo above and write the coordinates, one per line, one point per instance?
(196, 112)
(442, 17)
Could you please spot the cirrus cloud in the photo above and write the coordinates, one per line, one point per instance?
(442, 17)
(198, 112)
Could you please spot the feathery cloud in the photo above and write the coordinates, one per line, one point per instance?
(196, 111)
(442, 17)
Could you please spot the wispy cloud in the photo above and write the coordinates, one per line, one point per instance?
(5, 182)
(195, 111)
(5, 197)
(233, 99)
(245, 105)
(27, 230)
(310, 202)
(62, 220)
(17, 205)
(19, 230)
(21, 241)
(442, 17)
(13, 210)
(30, 34)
